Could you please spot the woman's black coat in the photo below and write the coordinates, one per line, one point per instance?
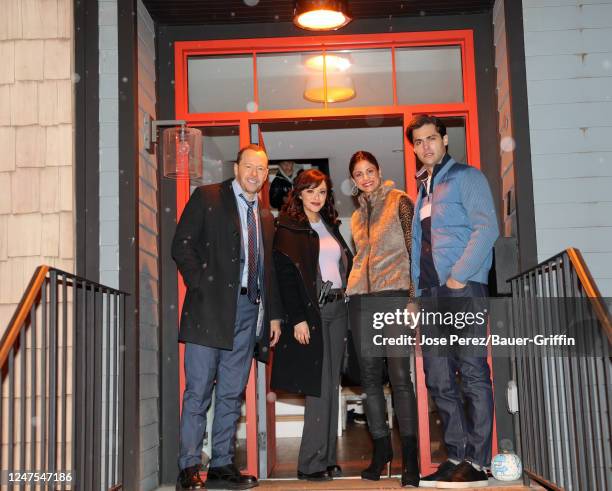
(296, 367)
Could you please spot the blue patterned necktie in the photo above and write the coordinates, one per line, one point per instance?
(252, 252)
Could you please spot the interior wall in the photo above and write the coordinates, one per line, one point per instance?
(337, 145)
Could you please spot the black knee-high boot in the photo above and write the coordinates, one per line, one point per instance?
(410, 462)
(382, 454)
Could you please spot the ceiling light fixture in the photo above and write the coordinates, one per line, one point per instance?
(339, 88)
(321, 15)
(330, 62)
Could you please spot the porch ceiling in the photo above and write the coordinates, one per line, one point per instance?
(183, 12)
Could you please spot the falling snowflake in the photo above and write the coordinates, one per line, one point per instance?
(507, 144)
(346, 187)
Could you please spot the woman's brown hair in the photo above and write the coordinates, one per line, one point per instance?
(310, 179)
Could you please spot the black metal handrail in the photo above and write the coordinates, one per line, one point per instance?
(62, 360)
(564, 401)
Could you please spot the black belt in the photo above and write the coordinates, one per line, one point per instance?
(335, 295)
(244, 291)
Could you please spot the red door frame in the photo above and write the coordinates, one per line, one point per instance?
(467, 109)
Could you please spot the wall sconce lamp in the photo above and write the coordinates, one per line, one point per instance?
(181, 147)
(321, 15)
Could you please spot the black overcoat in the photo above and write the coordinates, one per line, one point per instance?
(206, 249)
(296, 367)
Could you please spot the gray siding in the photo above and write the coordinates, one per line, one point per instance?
(149, 263)
(109, 143)
(568, 48)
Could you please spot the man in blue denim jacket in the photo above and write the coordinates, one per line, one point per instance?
(453, 232)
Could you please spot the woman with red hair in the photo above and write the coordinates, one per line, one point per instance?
(312, 263)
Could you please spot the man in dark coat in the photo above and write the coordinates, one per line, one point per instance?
(223, 250)
(282, 184)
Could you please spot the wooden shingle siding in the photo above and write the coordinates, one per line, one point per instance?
(149, 261)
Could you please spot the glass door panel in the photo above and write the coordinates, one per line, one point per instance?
(429, 75)
(284, 78)
(220, 145)
(220, 83)
(364, 73)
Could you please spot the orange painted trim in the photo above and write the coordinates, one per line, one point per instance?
(182, 196)
(409, 161)
(422, 397)
(255, 82)
(331, 42)
(233, 118)
(470, 95)
(22, 312)
(251, 422)
(184, 49)
(181, 78)
(394, 75)
(466, 109)
(244, 134)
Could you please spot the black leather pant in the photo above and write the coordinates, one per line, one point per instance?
(372, 367)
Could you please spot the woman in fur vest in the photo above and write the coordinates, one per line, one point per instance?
(312, 263)
(380, 282)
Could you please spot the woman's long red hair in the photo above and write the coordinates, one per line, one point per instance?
(310, 179)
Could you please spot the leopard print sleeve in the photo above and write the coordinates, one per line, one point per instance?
(406, 212)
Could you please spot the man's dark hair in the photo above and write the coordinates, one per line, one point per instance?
(252, 146)
(419, 121)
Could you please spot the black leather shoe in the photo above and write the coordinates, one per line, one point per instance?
(314, 476)
(465, 476)
(229, 477)
(334, 471)
(444, 472)
(189, 478)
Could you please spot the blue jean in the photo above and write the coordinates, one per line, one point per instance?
(468, 428)
(230, 369)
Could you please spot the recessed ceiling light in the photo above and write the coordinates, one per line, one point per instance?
(321, 15)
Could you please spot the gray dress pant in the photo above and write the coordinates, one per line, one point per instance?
(318, 447)
(230, 369)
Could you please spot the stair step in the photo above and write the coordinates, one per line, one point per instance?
(355, 484)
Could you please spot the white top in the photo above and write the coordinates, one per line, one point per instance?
(426, 206)
(329, 255)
